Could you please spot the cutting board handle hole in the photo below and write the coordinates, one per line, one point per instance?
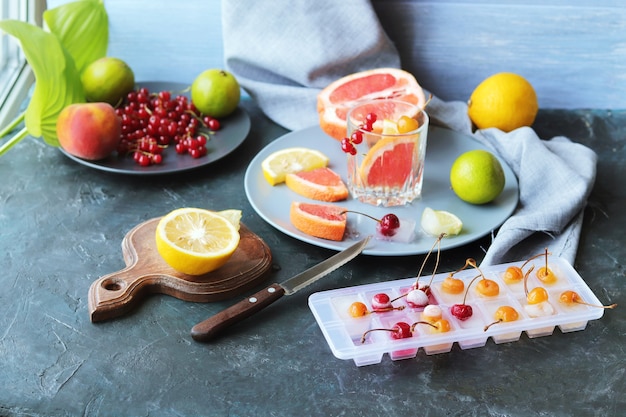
(112, 284)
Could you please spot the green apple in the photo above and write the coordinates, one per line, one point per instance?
(107, 80)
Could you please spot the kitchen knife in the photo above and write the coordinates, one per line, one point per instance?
(206, 330)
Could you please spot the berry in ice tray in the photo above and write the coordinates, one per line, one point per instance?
(466, 307)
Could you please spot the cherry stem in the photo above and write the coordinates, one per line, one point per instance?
(533, 257)
(362, 214)
(414, 325)
(364, 336)
(526, 279)
(430, 97)
(491, 324)
(438, 244)
(387, 309)
(469, 285)
(595, 305)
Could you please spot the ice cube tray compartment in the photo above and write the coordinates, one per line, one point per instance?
(343, 333)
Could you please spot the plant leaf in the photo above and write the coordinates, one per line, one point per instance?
(57, 81)
(82, 28)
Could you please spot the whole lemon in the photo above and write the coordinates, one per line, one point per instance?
(505, 101)
(215, 92)
(107, 80)
(477, 177)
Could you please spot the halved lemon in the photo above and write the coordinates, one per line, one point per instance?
(196, 241)
(436, 222)
(280, 163)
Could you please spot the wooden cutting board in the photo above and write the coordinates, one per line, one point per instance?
(146, 272)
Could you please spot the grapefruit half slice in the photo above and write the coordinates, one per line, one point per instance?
(334, 101)
(319, 220)
(322, 184)
(389, 162)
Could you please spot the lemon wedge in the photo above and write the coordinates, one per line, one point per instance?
(436, 222)
(232, 215)
(390, 127)
(196, 241)
(291, 160)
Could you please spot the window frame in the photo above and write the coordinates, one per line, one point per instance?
(16, 76)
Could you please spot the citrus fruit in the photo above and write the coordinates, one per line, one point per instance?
(215, 93)
(389, 163)
(436, 222)
(325, 221)
(505, 101)
(107, 80)
(477, 177)
(280, 163)
(196, 241)
(334, 101)
(232, 215)
(322, 184)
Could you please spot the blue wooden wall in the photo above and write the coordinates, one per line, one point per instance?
(572, 51)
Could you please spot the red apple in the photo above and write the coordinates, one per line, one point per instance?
(89, 130)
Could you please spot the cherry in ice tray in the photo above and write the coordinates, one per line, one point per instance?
(466, 307)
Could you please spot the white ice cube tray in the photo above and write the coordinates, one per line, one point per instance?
(343, 332)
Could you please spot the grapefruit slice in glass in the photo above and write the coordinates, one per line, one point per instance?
(389, 163)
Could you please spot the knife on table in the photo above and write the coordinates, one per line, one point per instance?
(209, 328)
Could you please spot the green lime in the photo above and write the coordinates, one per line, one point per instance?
(107, 80)
(215, 93)
(477, 177)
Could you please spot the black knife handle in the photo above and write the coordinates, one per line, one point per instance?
(209, 328)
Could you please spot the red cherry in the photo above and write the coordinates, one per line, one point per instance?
(388, 225)
(401, 330)
(461, 311)
(381, 301)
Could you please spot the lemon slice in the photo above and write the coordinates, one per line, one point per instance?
(390, 127)
(233, 216)
(196, 241)
(436, 222)
(291, 160)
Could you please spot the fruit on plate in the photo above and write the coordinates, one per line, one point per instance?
(325, 221)
(387, 226)
(278, 164)
(477, 177)
(334, 101)
(505, 101)
(196, 241)
(108, 80)
(215, 93)
(89, 130)
(436, 222)
(321, 184)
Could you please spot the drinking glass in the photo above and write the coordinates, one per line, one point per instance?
(386, 162)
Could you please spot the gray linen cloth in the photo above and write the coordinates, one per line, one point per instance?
(283, 56)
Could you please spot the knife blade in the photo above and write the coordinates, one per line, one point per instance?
(209, 328)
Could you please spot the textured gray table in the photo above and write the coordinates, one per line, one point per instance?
(61, 225)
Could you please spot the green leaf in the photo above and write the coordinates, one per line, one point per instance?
(83, 29)
(57, 81)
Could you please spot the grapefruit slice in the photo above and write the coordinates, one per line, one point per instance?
(389, 162)
(319, 220)
(322, 184)
(334, 101)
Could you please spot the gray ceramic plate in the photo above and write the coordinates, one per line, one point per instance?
(444, 146)
(234, 130)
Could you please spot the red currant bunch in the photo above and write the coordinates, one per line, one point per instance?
(347, 144)
(153, 121)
